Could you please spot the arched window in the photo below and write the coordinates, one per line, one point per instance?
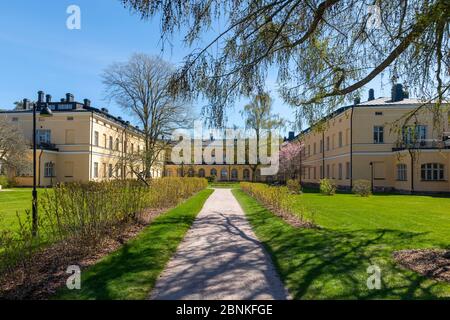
(246, 174)
(432, 171)
(201, 173)
(224, 174)
(402, 174)
(213, 173)
(191, 172)
(49, 170)
(234, 174)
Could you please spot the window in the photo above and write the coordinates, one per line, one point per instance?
(69, 118)
(110, 171)
(333, 171)
(95, 169)
(234, 174)
(378, 134)
(132, 148)
(15, 119)
(213, 173)
(96, 138)
(378, 113)
(104, 170)
(110, 142)
(401, 172)
(321, 172)
(347, 170)
(321, 146)
(411, 136)
(70, 136)
(224, 174)
(328, 143)
(432, 172)
(246, 174)
(340, 140)
(43, 136)
(49, 170)
(68, 169)
(315, 148)
(328, 171)
(340, 171)
(347, 137)
(117, 144)
(314, 173)
(333, 139)
(105, 141)
(201, 173)
(309, 150)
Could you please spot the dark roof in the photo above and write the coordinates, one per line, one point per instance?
(80, 107)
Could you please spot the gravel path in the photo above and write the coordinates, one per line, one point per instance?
(220, 258)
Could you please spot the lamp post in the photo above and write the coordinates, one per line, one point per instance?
(44, 112)
(371, 176)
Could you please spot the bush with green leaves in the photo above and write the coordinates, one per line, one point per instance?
(362, 187)
(327, 187)
(86, 213)
(294, 186)
(4, 182)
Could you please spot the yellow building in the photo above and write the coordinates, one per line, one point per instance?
(79, 143)
(363, 141)
(217, 169)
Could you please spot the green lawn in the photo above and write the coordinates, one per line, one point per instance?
(332, 263)
(131, 271)
(13, 201)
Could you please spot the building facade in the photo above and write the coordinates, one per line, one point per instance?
(373, 141)
(78, 143)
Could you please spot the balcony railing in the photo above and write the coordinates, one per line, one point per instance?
(47, 146)
(423, 144)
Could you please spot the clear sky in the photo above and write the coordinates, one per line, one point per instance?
(38, 52)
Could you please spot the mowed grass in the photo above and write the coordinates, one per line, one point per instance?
(131, 271)
(356, 233)
(13, 201)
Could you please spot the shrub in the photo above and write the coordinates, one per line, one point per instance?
(362, 188)
(86, 213)
(294, 186)
(277, 199)
(4, 182)
(327, 187)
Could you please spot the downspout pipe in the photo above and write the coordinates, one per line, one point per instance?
(351, 147)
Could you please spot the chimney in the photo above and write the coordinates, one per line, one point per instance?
(41, 96)
(371, 94)
(69, 97)
(63, 100)
(87, 102)
(357, 101)
(105, 110)
(25, 104)
(397, 93)
(291, 135)
(48, 98)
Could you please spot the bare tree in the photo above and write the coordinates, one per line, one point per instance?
(259, 118)
(324, 51)
(13, 147)
(140, 87)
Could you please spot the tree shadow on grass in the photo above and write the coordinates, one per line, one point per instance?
(131, 271)
(332, 264)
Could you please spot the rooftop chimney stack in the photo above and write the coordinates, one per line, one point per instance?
(291, 135)
(69, 97)
(397, 93)
(87, 102)
(25, 104)
(48, 98)
(41, 96)
(357, 101)
(371, 94)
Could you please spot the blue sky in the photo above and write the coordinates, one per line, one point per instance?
(38, 52)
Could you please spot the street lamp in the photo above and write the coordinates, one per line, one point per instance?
(44, 112)
(371, 176)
